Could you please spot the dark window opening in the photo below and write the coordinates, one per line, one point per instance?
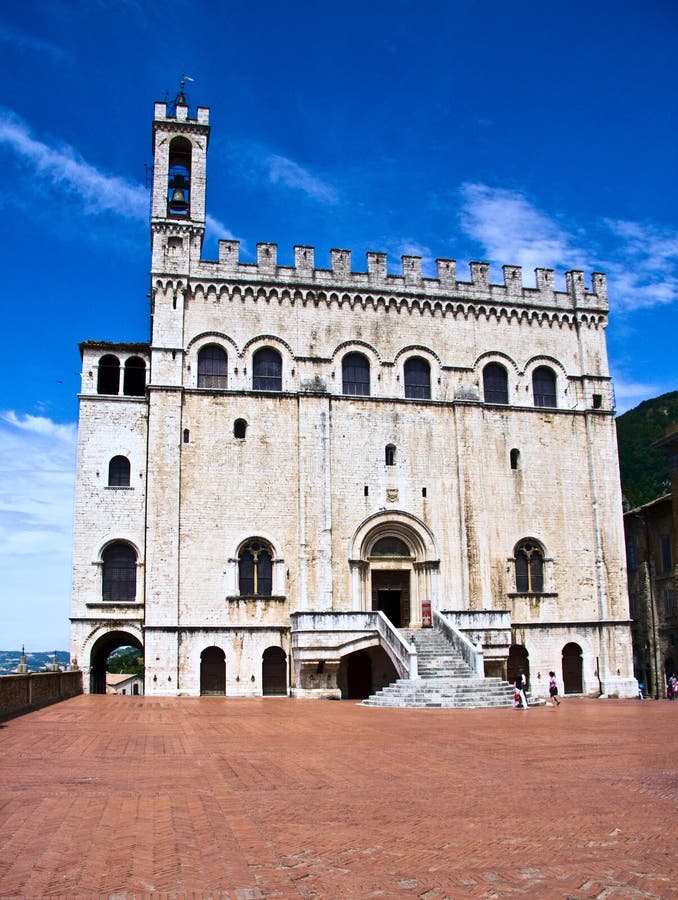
(212, 367)
(495, 383)
(417, 374)
(119, 472)
(529, 568)
(240, 429)
(267, 370)
(355, 370)
(515, 458)
(390, 546)
(134, 382)
(179, 178)
(389, 455)
(255, 570)
(187, 435)
(108, 378)
(119, 579)
(423, 492)
(544, 387)
(597, 401)
(366, 491)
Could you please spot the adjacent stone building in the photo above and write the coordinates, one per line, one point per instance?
(652, 560)
(307, 464)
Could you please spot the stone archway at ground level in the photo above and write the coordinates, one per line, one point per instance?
(363, 672)
(573, 682)
(101, 650)
(518, 659)
(274, 672)
(212, 672)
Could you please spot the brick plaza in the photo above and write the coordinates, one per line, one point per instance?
(130, 797)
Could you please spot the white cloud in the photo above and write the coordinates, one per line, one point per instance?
(63, 166)
(292, 175)
(641, 260)
(22, 41)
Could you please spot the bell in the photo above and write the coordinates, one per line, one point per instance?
(178, 201)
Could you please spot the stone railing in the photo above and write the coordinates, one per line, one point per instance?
(341, 628)
(472, 655)
(22, 693)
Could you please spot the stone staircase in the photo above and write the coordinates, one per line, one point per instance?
(445, 679)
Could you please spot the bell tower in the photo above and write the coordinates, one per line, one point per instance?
(179, 177)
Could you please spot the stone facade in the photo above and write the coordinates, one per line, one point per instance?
(652, 560)
(316, 457)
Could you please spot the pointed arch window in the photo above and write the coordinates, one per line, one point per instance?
(495, 383)
(389, 455)
(212, 367)
(119, 576)
(417, 374)
(134, 382)
(529, 558)
(119, 472)
(544, 387)
(267, 370)
(108, 376)
(255, 570)
(355, 371)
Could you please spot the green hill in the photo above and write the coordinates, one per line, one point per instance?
(645, 470)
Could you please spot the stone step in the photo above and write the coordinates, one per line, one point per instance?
(445, 679)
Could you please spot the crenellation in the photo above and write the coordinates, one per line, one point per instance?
(341, 263)
(480, 275)
(513, 280)
(376, 266)
(447, 273)
(304, 260)
(267, 257)
(411, 270)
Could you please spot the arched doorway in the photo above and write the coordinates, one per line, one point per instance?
(103, 647)
(395, 568)
(358, 675)
(518, 659)
(212, 672)
(274, 672)
(572, 669)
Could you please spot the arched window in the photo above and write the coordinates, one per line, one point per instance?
(179, 178)
(134, 383)
(355, 372)
(389, 455)
(118, 472)
(544, 386)
(417, 378)
(515, 458)
(529, 568)
(255, 570)
(240, 429)
(495, 383)
(212, 367)
(390, 546)
(108, 378)
(267, 370)
(119, 579)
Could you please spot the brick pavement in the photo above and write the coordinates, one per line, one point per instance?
(127, 797)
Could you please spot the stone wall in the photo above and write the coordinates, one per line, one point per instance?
(22, 693)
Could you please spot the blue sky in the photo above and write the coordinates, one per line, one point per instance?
(527, 133)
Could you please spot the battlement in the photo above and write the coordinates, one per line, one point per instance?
(161, 113)
(411, 279)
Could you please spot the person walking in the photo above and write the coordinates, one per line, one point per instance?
(672, 687)
(553, 689)
(520, 684)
